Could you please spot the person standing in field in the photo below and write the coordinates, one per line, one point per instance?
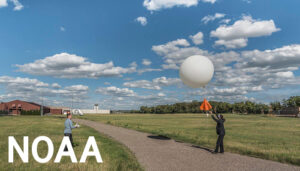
(68, 129)
(220, 131)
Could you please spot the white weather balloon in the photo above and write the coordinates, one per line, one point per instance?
(196, 71)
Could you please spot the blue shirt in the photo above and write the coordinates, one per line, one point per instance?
(68, 126)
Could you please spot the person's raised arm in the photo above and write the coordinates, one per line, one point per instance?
(214, 118)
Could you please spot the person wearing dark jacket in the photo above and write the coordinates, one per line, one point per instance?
(220, 131)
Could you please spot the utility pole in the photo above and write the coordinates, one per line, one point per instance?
(42, 107)
(72, 99)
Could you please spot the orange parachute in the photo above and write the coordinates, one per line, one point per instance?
(205, 105)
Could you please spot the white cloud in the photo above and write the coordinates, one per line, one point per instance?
(225, 21)
(287, 74)
(62, 28)
(174, 55)
(17, 81)
(115, 91)
(146, 62)
(210, 1)
(241, 30)
(239, 73)
(247, 1)
(164, 81)
(77, 88)
(155, 84)
(232, 44)
(197, 38)
(3, 3)
(154, 5)
(123, 98)
(141, 71)
(170, 46)
(284, 57)
(142, 84)
(142, 20)
(56, 85)
(35, 90)
(161, 95)
(18, 5)
(66, 65)
(269, 68)
(209, 18)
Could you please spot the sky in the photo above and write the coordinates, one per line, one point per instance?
(125, 54)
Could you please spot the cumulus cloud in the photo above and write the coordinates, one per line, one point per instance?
(115, 91)
(210, 1)
(146, 62)
(241, 30)
(62, 28)
(124, 98)
(35, 90)
(232, 44)
(154, 5)
(286, 56)
(3, 3)
(142, 20)
(197, 38)
(209, 18)
(238, 73)
(175, 52)
(141, 71)
(225, 21)
(269, 68)
(18, 5)
(170, 46)
(142, 84)
(56, 85)
(17, 81)
(66, 65)
(155, 84)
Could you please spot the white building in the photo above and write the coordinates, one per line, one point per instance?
(96, 110)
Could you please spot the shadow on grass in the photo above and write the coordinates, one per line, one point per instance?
(159, 137)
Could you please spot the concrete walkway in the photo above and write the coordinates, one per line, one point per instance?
(159, 153)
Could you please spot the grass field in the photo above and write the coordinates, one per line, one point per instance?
(265, 137)
(115, 156)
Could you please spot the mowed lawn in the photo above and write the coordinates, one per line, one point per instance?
(115, 156)
(260, 136)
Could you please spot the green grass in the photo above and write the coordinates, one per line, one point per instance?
(115, 156)
(260, 136)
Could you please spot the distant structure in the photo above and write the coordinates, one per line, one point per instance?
(96, 110)
(59, 110)
(289, 111)
(19, 107)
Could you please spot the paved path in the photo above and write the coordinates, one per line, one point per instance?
(156, 153)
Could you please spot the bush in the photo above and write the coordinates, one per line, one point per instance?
(3, 112)
(30, 112)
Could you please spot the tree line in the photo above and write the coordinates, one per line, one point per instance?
(247, 107)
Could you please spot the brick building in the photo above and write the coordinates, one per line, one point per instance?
(16, 106)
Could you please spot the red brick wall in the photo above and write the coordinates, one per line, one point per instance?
(15, 106)
(56, 111)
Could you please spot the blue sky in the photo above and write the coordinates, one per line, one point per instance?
(124, 54)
